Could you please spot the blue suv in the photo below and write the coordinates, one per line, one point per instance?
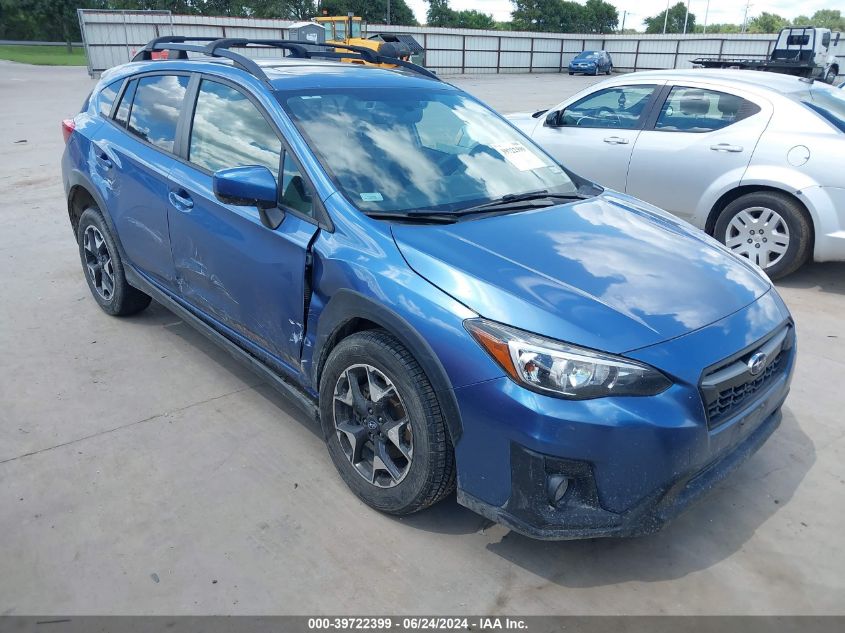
(454, 307)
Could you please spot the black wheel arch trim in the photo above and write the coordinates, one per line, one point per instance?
(348, 305)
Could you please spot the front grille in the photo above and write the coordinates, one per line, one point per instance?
(729, 387)
(731, 399)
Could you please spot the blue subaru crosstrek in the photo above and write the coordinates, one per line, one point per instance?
(456, 308)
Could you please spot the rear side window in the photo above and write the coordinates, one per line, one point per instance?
(122, 116)
(105, 100)
(156, 107)
(698, 110)
(618, 108)
(229, 131)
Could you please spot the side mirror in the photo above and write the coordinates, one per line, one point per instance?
(553, 118)
(251, 186)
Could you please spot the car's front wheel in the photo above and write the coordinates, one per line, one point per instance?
(769, 228)
(830, 76)
(383, 425)
(104, 269)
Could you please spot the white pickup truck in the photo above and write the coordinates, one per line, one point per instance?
(806, 51)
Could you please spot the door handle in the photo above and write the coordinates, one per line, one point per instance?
(616, 140)
(181, 200)
(102, 157)
(726, 147)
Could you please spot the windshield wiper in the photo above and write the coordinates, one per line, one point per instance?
(421, 218)
(514, 201)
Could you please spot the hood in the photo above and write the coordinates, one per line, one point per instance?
(610, 273)
(525, 121)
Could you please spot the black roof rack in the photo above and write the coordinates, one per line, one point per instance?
(220, 47)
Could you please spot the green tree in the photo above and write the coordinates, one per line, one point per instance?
(439, 13)
(766, 23)
(802, 20)
(472, 19)
(373, 11)
(829, 18)
(600, 17)
(675, 23)
(284, 9)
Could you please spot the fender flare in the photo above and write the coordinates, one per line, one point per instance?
(79, 179)
(347, 305)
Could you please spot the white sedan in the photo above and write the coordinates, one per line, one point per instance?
(755, 159)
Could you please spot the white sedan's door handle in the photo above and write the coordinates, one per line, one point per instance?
(726, 147)
(616, 140)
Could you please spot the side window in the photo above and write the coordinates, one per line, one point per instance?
(698, 110)
(122, 116)
(155, 109)
(229, 131)
(105, 100)
(295, 192)
(619, 108)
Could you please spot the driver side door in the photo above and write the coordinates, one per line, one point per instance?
(595, 135)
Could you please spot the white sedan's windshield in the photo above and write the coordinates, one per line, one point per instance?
(414, 150)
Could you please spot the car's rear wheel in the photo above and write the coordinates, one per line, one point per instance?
(383, 425)
(830, 76)
(104, 269)
(769, 228)
(609, 69)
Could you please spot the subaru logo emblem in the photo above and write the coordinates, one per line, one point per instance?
(757, 363)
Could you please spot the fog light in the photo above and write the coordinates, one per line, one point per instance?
(556, 487)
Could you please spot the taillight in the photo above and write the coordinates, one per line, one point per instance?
(68, 126)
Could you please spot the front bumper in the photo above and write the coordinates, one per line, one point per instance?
(580, 514)
(632, 463)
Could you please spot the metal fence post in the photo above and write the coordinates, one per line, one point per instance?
(499, 55)
(560, 65)
(677, 48)
(531, 58)
(463, 54)
(637, 55)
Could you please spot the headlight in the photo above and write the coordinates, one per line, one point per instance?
(564, 370)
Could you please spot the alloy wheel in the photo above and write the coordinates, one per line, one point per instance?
(760, 234)
(98, 262)
(372, 425)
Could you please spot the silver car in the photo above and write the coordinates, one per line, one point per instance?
(755, 159)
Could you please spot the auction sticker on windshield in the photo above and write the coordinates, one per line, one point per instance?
(519, 156)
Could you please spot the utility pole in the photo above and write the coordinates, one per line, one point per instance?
(706, 12)
(666, 17)
(388, 11)
(745, 17)
(624, 15)
(686, 18)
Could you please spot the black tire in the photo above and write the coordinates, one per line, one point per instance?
(830, 76)
(571, 73)
(793, 214)
(124, 299)
(431, 471)
(609, 69)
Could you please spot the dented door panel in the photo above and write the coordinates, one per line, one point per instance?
(237, 271)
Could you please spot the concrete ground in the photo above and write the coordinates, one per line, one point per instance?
(143, 471)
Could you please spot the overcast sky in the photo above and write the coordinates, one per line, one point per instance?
(720, 10)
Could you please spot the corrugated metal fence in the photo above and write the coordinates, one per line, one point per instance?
(112, 37)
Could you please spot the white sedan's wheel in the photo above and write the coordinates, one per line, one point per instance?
(759, 234)
(769, 228)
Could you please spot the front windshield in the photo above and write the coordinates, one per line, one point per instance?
(587, 55)
(412, 150)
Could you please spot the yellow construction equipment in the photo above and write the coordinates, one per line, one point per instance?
(349, 30)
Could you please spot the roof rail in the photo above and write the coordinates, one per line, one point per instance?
(221, 47)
